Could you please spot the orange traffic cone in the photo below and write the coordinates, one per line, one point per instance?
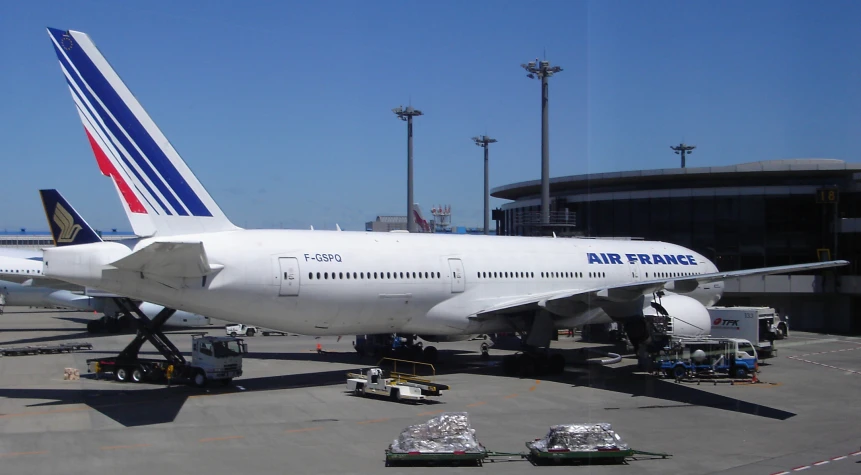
(319, 348)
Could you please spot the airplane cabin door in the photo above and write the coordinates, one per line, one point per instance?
(634, 267)
(289, 276)
(458, 283)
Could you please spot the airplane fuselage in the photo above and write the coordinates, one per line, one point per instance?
(336, 283)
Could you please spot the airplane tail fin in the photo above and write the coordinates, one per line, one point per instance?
(67, 226)
(160, 194)
(423, 225)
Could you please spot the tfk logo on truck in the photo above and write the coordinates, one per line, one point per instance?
(719, 322)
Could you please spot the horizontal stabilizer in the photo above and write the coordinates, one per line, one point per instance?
(50, 284)
(169, 259)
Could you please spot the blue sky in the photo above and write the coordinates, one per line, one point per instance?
(283, 108)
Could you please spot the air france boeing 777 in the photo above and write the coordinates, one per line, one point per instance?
(438, 287)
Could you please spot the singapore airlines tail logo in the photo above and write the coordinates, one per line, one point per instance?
(68, 229)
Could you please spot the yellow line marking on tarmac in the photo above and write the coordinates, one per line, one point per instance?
(430, 413)
(42, 413)
(476, 404)
(229, 437)
(510, 396)
(373, 421)
(14, 454)
(307, 429)
(113, 447)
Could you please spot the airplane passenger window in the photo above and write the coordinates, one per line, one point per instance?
(310, 275)
(348, 276)
(389, 275)
(375, 275)
(414, 275)
(402, 275)
(426, 275)
(340, 275)
(354, 275)
(325, 275)
(318, 275)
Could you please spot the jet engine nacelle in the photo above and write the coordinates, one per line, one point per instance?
(445, 338)
(687, 318)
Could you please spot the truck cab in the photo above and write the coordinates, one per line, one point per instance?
(216, 358)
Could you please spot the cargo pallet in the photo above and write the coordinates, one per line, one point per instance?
(537, 457)
(435, 458)
(45, 349)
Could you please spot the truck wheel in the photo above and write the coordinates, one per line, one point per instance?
(122, 375)
(679, 372)
(137, 375)
(740, 372)
(200, 378)
(249, 332)
(233, 334)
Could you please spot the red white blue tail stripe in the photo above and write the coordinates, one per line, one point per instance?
(149, 174)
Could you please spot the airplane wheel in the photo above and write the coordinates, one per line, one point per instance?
(557, 363)
(526, 366)
(430, 354)
(509, 365)
(94, 326)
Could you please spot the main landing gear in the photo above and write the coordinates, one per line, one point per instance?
(533, 362)
(535, 357)
(395, 346)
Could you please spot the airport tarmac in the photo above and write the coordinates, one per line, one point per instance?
(289, 413)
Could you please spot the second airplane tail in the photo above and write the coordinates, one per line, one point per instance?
(160, 194)
(67, 226)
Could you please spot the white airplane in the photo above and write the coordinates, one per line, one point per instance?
(23, 283)
(440, 288)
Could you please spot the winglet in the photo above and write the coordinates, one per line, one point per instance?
(67, 226)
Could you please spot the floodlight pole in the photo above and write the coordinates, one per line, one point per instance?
(542, 70)
(484, 142)
(682, 149)
(407, 115)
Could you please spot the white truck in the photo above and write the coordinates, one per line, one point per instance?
(213, 358)
(755, 324)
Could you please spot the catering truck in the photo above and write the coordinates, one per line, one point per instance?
(755, 324)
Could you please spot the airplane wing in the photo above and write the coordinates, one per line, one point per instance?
(169, 259)
(634, 290)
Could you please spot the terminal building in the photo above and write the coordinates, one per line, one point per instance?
(759, 214)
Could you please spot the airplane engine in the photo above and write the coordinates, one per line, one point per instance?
(445, 338)
(671, 315)
(681, 316)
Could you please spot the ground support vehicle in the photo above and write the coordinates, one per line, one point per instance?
(755, 324)
(213, 358)
(236, 329)
(45, 349)
(707, 357)
(397, 386)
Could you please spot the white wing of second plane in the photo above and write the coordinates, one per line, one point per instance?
(635, 290)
